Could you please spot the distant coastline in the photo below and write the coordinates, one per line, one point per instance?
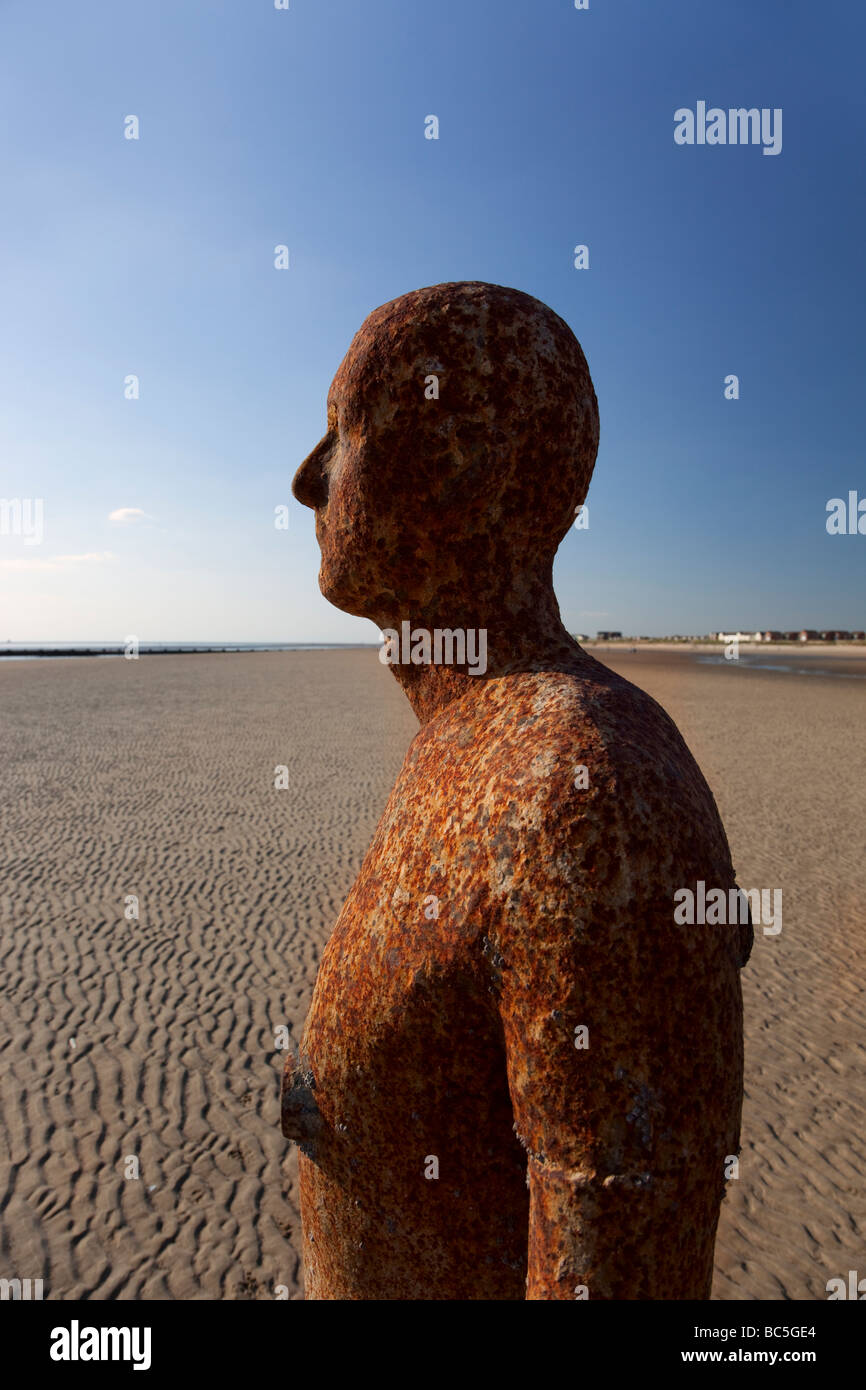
(819, 647)
(822, 647)
(24, 651)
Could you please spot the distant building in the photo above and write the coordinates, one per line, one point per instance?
(808, 634)
(792, 636)
(606, 636)
(772, 636)
(859, 636)
(835, 635)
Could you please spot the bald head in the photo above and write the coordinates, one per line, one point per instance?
(462, 434)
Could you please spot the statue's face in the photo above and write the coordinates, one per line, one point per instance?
(346, 480)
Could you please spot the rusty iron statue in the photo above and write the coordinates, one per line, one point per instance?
(519, 1077)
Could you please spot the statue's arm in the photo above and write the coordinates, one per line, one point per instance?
(624, 1064)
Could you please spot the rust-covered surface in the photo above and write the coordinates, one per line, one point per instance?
(456, 1142)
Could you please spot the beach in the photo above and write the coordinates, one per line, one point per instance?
(163, 907)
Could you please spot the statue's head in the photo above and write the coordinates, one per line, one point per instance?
(462, 434)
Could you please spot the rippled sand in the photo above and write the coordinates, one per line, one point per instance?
(156, 778)
(154, 1038)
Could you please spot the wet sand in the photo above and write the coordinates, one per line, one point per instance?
(155, 1039)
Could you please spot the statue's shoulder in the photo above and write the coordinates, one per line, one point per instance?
(533, 727)
(567, 758)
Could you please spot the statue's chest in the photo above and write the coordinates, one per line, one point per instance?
(407, 965)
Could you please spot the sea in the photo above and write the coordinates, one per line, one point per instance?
(32, 651)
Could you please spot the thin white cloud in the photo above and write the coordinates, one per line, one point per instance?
(126, 514)
(59, 562)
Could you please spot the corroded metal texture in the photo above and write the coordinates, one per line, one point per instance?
(519, 1077)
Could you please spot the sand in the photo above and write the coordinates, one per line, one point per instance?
(155, 1039)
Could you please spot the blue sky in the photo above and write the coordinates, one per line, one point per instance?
(305, 127)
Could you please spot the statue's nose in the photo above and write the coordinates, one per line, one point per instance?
(310, 483)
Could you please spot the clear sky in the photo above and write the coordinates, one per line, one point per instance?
(305, 127)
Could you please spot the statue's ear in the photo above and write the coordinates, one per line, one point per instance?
(467, 472)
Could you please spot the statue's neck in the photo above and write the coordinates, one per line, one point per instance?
(443, 652)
